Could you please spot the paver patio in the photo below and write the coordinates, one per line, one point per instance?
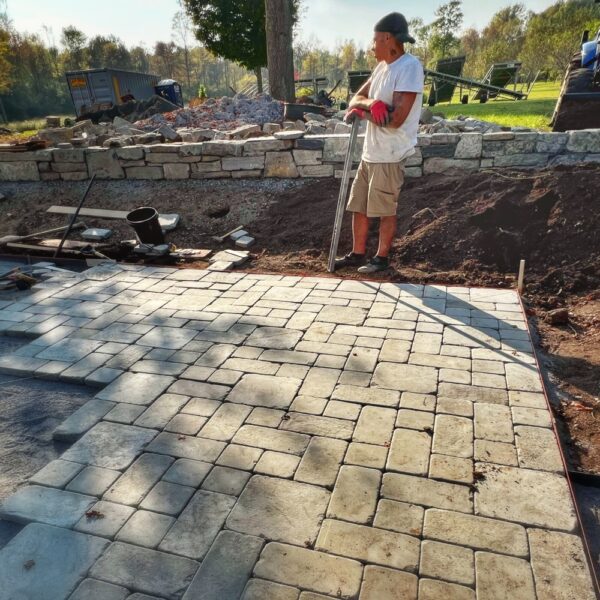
(264, 437)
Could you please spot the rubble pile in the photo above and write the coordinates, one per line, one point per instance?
(222, 114)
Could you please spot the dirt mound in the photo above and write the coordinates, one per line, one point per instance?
(463, 228)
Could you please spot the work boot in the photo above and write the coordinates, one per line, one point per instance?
(377, 263)
(350, 260)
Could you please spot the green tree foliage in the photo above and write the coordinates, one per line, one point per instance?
(554, 35)
(234, 29)
(444, 39)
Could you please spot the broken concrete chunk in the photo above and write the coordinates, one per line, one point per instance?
(169, 133)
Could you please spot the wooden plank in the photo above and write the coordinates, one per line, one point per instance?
(99, 213)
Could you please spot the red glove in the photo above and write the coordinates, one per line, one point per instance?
(380, 113)
(355, 113)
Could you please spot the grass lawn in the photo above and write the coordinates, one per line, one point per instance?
(534, 112)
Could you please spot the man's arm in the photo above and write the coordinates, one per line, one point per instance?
(402, 103)
(361, 98)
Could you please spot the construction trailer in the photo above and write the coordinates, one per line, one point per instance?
(94, 90)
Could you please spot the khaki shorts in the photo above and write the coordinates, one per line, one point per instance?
(376, 189)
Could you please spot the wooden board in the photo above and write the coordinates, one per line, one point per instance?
(168, 222)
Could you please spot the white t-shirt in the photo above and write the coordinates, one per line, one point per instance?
(386, 144)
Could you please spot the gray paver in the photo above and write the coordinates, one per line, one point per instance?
(225, 422)
(271, 439)
(69, 350)
(198, 525)
(260, 589)
(537, 448)
(405, 378)
(375, 425)
(110, 445)
(56, 473)
(226, 568)
(187, 472)
(183, 446)
(399, 516)
(409, 452)
(226, 481)
(446, 561)
(99, 590)
(145, 528)
(278, 338)
(167, 337)
(83, 419)
(432, 589)
(161, 411)
(266, 504)
(59, 558)
(315, 425)
(168, 498)
(136, 388)
(104, 519)
(321, 461)
(144, 570)
(453, 436)
(499, 576)
(93, 481)
(35, 503)
(265, 390)
(277, 464)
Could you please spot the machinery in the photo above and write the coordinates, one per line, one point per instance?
(578, 105)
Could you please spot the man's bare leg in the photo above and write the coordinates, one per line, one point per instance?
(360, 230)
(387, 230)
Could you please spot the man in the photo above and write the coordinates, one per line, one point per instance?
(391, 101)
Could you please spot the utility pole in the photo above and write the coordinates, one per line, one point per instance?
(280, 58)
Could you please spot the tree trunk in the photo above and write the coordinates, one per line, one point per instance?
(259, 81)
(280, 57)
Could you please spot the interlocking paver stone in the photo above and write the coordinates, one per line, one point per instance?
(277, 464)
(405, 378)
(144, 570)
(426, 492)
(321, 461)
(366, 395)
(506, 493)
(56, 473)
(183, 446)
(225, 422)
(475, 532)
(499, 576)
(399, 516)
(559, 566)
(110, 445)
(271, 439)
(266, 504)
(493, 422)
(380, 583)
(355, 494)
(167, 498)
(69, 350)
(60, 558)
(198, 525)
(145, 528)
(314, 425)
(369, 544)
(265, 390)
(167, 337)
(104, 519)
(226, 568)
(99, 590)
(453, 436)
(278, 338)
(136, 388)
(45, 505)
(375, 425)
(537, 448)
(409, 452)
(432, 589)
(260, 589)
(310, 570)
(446, 561)
(226, 481)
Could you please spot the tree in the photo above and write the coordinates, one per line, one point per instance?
(555, 34)
(74, 42)
(449, 19)
(280, 57)
(234, 29)
(166, 59)
(108, 52)
(182, 34)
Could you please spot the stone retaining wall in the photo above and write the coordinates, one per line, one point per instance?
(310, 156)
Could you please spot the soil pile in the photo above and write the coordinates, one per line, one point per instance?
(463, 228)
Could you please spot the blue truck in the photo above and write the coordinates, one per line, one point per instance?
(94, 90)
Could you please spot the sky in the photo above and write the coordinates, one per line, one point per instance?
(147, 21)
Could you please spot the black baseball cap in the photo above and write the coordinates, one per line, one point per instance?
(395, 24)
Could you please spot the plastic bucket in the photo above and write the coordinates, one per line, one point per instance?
(145, 222)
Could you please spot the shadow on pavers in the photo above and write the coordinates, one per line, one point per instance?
(30, 410)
